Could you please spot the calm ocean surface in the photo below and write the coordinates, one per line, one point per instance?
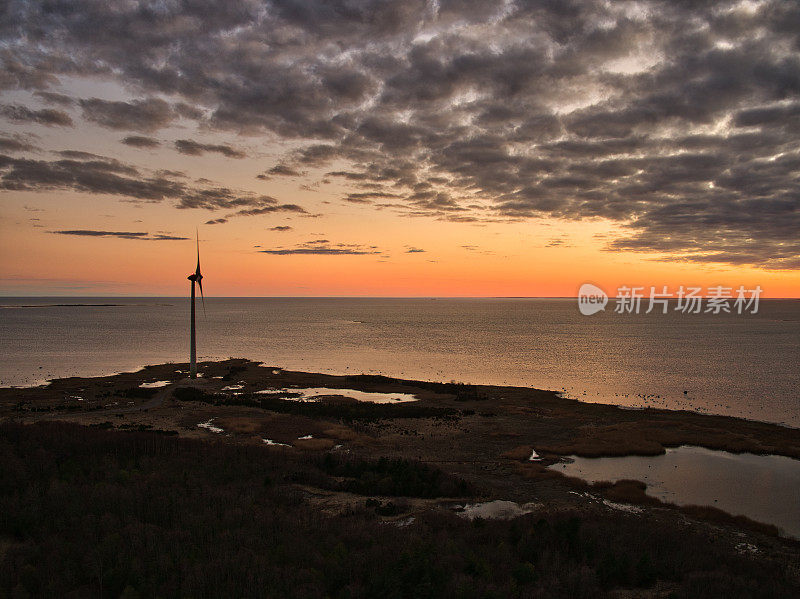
(740, 365)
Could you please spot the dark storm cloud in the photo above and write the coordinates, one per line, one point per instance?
(145, 115)
(122, 235)
(351, 176)
(706, 232)
(81, 155)
(193, 148)
(188, 111)
(165, 237)
(140, 141)
(283, 170)
(318, 154)
(15, 144)
(783, 115)
(653, 114)
(89, 173)
(55, 98)
(269, 207)
(90, 233)
(323, 247)
(45, 116)
(214, 198)
(367, 196)
(281, 228)
(105, 176)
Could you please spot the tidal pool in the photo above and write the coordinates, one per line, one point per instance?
(314, 394)
(208, 426)
(271, 442)
(496, 510)
(155, 384)
(765, 488)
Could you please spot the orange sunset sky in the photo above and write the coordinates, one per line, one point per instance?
(450, 153)
(542, 257)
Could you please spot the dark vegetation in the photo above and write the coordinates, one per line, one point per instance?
(93, 512)
(62, 407)
(139, 427)
(344, 410)
(384, 476)
(138, 392)
(650, 432)
(233, 371)
(397, 477)
(87, 405)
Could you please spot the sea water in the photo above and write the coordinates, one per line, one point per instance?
(740, 365)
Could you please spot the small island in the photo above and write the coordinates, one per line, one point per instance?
(315, 485)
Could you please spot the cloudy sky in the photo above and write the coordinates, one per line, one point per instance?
(451, 147)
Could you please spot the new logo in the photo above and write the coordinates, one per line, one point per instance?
(591, 299)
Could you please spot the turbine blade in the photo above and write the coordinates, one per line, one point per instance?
(202, 297)
(197, 237)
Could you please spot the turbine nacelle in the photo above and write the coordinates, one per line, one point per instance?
(195, 277)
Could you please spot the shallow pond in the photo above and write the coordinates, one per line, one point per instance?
(155, 384)
(496, 510)
(315, 393)
(763, 488)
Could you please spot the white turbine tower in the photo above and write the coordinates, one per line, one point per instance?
(195, 277)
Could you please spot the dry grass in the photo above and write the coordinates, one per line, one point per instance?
(314, 444)
(616, 440)
(534, 471)
(652, 437)
(712, 514)
(341, 432)
(520, 452)
(634, 491)
(241, 424)
(345, 434)
(625, 491)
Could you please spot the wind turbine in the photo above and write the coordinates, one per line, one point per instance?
(195, 277)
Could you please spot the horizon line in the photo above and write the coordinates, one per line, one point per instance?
(445, 297)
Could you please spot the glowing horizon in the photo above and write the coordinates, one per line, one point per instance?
(480, 161)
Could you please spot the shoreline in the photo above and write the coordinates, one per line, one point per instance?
(140, 368)
(477, 440)
(465, 428)
(598, 447)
